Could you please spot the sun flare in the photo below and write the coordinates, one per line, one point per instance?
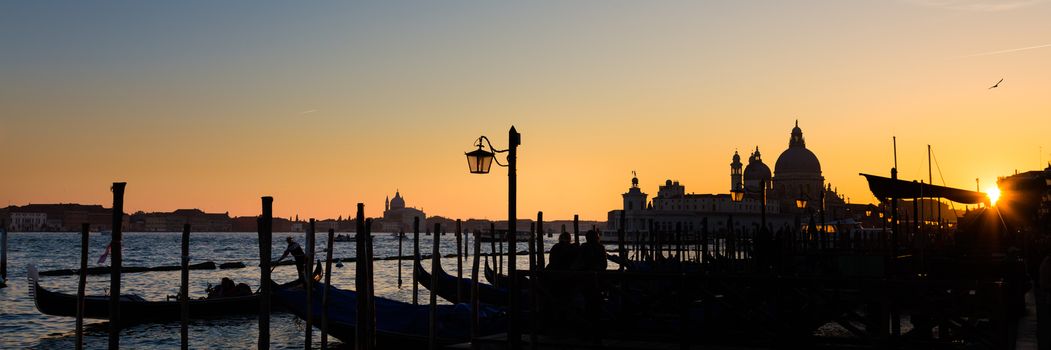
(994, 194)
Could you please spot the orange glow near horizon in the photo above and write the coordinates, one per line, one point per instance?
(326, 106)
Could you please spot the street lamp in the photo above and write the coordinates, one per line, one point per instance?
(737, 193)
(822, 210)
(801, 201)
(762, 198)
(478, 162)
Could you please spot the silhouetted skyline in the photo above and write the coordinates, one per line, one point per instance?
(322, 106)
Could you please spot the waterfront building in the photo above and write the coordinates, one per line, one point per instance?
(59, 217)
(199, 221)
(399, 218)
(29, 221)
(1025, 200)
(797, 174)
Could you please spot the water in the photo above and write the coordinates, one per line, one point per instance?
(22, 326)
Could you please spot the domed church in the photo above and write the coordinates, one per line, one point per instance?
(797, 172)
(796, 175)
(756, 175)
(399, 218)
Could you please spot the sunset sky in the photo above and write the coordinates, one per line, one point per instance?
(203, 104)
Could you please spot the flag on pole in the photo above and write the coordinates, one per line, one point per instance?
(102, 258)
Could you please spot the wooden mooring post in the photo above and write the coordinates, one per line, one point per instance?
(401, 239)
(85, 228)
(308, 284)
(459, 261)
(704, 243)
(474, 290)
(370, 295)
(184, 290)
(533, 321)
(360, 282)
(415, 257)
(3, 252)
(576, 229)
(531, 248)
(432, 329)
(324, 293)
(116, 260)
(492, 248)
(622, 252)
(540, 240)
(264, 228)
(499, 246)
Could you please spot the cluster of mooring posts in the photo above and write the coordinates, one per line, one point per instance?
(910, 285)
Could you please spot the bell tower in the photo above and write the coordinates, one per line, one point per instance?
(634, 199)
(736, 175)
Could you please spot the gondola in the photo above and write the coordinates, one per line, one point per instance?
(399, 325)
(135, 309)
(627, 263)
(502, 280)
(446, 287)
(344, 238)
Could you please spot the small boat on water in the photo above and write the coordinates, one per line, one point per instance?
(399, 325)
(343, 238)
(134, 308)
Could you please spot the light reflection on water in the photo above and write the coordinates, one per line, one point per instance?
(22, 326)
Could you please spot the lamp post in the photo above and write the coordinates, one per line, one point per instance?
(737, 193)
(762, 199)
(801, 203)
(821, 210)
(737, 196)
(478, 162)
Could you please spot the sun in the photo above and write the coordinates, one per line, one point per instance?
(994, 194)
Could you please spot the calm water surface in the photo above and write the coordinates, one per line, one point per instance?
(22, 326)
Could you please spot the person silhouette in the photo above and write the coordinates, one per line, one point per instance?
(563, 254)
(296, 251)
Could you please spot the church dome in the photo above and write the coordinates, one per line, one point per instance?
(797, 158)
(756, 170)
(397, 202)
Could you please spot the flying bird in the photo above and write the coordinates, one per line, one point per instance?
(997, 83)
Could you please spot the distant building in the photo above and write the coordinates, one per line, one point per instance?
(60, 217)
(323, 226)
(797, 172)
(399, 218)
(796, 175)
(199, 221)
(1025, 200)
(29, 221)
(244, 224)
